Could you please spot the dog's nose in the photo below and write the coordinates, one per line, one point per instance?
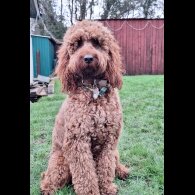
(88, 58)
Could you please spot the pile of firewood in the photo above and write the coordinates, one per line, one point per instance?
(41, 87)
(37, 90)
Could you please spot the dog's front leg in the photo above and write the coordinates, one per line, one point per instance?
(82, 168)
(106, 169)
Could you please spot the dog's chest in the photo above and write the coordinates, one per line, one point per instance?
(104, 120)
(94, 121)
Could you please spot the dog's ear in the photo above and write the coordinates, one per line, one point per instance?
(63, 73)
(61, 68)
(114, 68)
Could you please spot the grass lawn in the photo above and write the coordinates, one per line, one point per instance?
(141, 144)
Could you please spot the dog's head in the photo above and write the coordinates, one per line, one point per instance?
(89, 51)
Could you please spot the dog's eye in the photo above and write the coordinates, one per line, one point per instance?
(95, 42)
(78, 44)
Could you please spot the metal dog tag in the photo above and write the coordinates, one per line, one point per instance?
(95, 93)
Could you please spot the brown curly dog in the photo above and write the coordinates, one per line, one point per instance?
(88, 125)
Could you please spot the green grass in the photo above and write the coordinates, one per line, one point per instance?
(141, 144)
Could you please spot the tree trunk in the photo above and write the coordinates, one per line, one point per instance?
(70, 6)
(61, 11)
(83, 9)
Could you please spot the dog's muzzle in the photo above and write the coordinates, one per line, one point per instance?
(88, 59)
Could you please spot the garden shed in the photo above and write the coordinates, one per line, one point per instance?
(44, 57)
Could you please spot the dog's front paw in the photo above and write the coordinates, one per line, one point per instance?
(111, 189)
(45, 188)
(46, 192)
(122, 172)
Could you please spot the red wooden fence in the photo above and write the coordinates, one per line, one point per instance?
(142, 44)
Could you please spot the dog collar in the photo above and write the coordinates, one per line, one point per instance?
(98, 87)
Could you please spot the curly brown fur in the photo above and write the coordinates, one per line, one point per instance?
(86, 131)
